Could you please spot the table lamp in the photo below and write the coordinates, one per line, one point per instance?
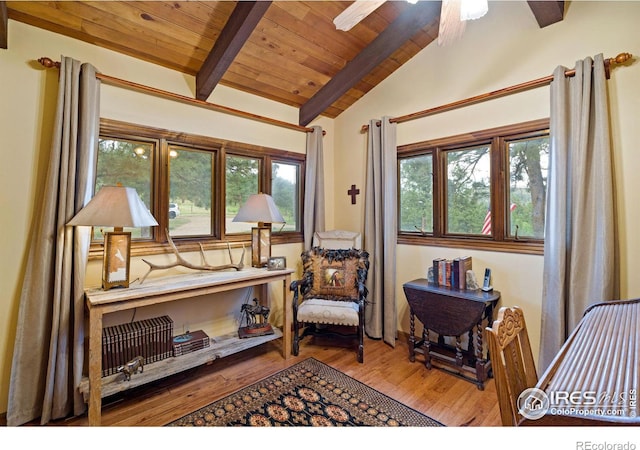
(262, 209)
(117, 207)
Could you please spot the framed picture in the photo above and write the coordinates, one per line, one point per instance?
(277, 263)
(117, 247)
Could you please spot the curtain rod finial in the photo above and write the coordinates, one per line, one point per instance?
(49, 63)
(622, 58)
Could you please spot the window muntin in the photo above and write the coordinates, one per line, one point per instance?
(129, 163)
(528, 169)
(416, 193)
(190, 191)
(476, 178)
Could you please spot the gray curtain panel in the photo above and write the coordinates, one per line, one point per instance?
(48, 353)
(314, 187)
(579, 248)
(381, 231)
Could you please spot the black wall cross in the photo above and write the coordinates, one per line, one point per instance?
(353, 192)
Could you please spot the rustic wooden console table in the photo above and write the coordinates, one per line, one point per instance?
(451, 312)
(100, 302)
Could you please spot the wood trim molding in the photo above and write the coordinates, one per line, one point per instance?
(4, 25)
(522, 247)
(474, 136)
(621, 58)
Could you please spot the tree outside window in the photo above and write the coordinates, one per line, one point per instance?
(194, 185)
(468, 189)
(528, 168)
(486, 193)
(129, 163)
(242, 180)
(416, 193)
(285, 179)
(190, 180)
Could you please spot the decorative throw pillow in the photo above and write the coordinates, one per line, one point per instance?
(334, 273)
(334, 278)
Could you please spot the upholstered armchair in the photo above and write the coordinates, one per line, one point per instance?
(331, 294)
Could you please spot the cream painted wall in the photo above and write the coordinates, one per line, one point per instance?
(29, 94)
(504, 48)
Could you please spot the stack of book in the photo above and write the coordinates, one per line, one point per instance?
(451, 272)
(150, 338)
(190, 342)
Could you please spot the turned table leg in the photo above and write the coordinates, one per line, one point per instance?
(481, 362)
(412, 337)
(427, 348)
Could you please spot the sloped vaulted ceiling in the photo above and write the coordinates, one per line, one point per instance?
(286, 51)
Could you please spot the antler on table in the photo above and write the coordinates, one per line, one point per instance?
(183, 262)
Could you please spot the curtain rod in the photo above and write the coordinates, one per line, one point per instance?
(49, 63)
(620, 59)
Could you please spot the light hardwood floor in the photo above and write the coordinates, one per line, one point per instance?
(444, 397)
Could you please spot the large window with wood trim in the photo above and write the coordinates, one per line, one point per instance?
(484, 190)
(194, 185)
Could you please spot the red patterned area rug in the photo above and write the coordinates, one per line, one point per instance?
(309, 393)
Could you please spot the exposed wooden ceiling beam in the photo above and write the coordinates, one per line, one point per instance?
(547, 12)
(241, 23)
(4, 26)
(407, 24)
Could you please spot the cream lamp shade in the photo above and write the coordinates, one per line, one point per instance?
(117, 207)
(261, 209)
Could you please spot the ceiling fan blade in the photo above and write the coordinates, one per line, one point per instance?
(451, 27)
(357, 11)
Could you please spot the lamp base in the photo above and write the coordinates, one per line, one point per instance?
(116, 260)
(260, 245)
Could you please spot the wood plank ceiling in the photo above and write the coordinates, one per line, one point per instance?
(286, 51)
